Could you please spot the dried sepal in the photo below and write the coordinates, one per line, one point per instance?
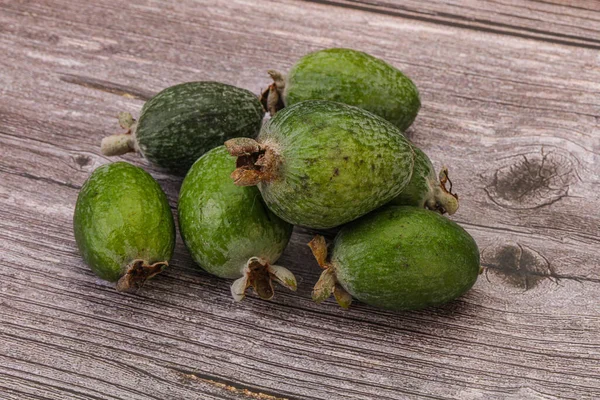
(242, 146)
(278, 79)
(318, 245)
(264, 98)
(138, 272)
(246, 177)
(327, 283)
(273, 100)
(259, 278)
(254, 163)
(324, 286)
(272, 97)
(238, 288)
(283, 276)
(343, 298)
(259, 275)
(445, 200)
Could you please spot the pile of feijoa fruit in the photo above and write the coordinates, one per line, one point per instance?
(333, 154)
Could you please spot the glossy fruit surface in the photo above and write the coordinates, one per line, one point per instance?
(123, 225)
(321, 164)
(228, 229)
(399, 258)
(351, 77)
(184, 121)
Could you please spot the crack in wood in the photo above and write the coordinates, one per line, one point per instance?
(58, 386)
(107, 87)
(42, 179)
(570, 5)
(234, 387)
(520, 106)
(493, 27)
(85, 390)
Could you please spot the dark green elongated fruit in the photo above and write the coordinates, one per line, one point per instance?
(321, 164)
(347, 76)
(123, 225)
(425, 190)
(398, 258)
(184, 121)
(228, 229)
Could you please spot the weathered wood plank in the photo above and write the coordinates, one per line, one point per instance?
(574, 24)
(516, 120)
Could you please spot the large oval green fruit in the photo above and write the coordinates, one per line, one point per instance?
(321, 164)
(351, 77)
(398, 258)
(184, 121)
(425, 190)
(228, 229)
(123, 225)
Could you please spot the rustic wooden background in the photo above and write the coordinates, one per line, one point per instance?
(511, 103)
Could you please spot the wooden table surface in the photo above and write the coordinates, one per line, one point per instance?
(511, 104)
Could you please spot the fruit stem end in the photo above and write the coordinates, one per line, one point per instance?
(138, 272)
(444, 200)
(272, 98)
(255, 162)
(116, 145)
(327, 283)
(259, 275)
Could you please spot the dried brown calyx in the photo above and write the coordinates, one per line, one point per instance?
(138, 272)
(121, 143)
(256, 162)
(443, 200)
(260, 275)
(272, 98)
(327, 283)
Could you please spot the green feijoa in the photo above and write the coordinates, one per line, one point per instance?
(184, 121)
(398, 258)
(228, 229)
(123, 225)
(425, 190)
(347, 76)
(321, 164)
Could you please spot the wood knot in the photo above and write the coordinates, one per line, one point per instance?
(532, 180)
(518, 265)
(82, 160)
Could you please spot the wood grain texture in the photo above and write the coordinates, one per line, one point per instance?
(552, 22)
(511, 104)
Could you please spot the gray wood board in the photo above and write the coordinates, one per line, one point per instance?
(510, 94)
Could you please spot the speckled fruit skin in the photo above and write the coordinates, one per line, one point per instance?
(338, 162)
(122, 215)
(417, 189)
(405, 258)
(184, 121)
(224, 225)
(355, 78)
